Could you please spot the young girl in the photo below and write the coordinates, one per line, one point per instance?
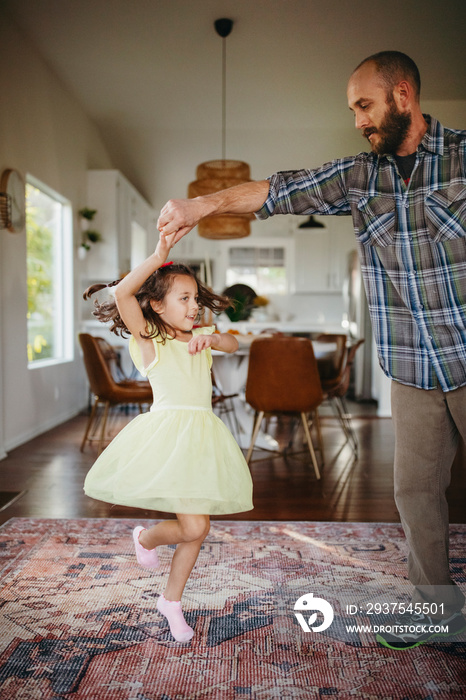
(178, 458)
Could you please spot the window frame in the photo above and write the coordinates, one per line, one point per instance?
(64, 280)
(266, 242)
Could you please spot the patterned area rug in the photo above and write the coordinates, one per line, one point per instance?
(78, 617)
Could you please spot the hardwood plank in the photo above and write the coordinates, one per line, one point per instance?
(51, 471)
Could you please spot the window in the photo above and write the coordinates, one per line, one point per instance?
(49, 275)
(262, 268)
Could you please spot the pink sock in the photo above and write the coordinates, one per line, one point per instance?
(146, 557)
(171, 609)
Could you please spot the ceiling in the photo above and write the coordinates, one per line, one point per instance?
(148, 68)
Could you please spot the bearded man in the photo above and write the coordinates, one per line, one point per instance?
(407, 199)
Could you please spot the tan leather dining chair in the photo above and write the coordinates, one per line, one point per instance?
(283, 379)
(335, 384)
(106, 390)
(112, 359)
(331, 367)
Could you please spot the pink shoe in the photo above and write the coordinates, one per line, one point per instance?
(171, 609)
(146, 557)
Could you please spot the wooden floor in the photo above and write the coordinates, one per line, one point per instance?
(50, 470)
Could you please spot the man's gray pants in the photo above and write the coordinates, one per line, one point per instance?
(428, 425)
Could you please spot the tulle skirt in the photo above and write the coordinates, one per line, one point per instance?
(180, 460)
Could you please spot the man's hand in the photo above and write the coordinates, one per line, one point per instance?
(179, 216)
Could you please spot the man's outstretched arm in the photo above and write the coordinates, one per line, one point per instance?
(179, 216)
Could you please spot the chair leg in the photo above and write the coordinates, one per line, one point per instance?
(104, 425)
(294, 426)
(255, 432)
(89, 423)
(310, 445)
(319, 435)
(341, 413)
(349, 425)
(236, 430)
(227, 409)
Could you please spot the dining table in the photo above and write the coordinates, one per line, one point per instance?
(231, 372)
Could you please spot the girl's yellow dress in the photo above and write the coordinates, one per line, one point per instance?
(179, 457)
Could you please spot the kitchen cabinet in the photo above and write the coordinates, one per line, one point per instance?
(321, 256)
(127, 224)
(126, 221)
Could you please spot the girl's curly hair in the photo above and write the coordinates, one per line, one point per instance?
(155, 288)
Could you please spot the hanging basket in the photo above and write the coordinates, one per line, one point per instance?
(235, 169)
(224, 227)
(213, 176)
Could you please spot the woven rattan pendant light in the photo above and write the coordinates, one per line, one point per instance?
(215, 175)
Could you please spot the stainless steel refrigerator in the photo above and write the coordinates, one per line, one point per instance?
(357, 321)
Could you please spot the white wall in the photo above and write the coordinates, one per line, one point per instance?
(44, 132)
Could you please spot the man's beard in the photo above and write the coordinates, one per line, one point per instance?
(392, 131)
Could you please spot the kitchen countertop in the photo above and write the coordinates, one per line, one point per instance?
(295, 326)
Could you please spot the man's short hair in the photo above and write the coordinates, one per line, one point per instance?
(393, 67)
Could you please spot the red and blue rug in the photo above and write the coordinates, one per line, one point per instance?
(78, 617)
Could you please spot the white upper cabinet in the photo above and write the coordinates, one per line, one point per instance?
(321, 255)
(126, 222)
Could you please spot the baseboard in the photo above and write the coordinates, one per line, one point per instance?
(38, 430)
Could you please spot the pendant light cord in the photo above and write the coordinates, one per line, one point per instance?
(223, 28)
(224, 96)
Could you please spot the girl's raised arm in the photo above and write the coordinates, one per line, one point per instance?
(126, 290)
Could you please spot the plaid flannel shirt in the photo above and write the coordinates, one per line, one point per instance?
(412, 246)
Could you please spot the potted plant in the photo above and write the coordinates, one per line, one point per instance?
(87, 214)
(88, 235)
(244, 301)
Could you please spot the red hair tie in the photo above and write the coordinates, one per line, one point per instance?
(166, 264)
